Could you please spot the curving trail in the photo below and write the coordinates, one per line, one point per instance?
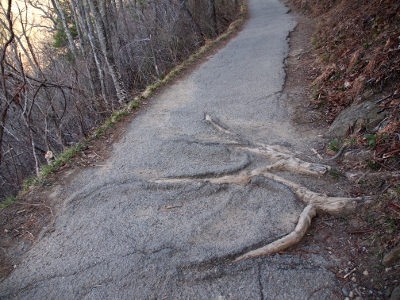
(191, 187)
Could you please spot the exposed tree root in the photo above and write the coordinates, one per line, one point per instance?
(338, 154)
(373, 176)
(288, 240)
(217, 125)
(315, 202)
(287, 161)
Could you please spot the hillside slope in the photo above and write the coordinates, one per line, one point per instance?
(358, 48)
(328, 78)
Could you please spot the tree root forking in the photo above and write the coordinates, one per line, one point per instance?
(284, 160)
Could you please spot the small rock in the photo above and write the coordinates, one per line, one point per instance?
(359, 298)
(351, 294)
(365, 114)
(388, 291)
(357, 155)
(345, 291)
(353, 279)
(347, 298)
(392, 257)
(395, 294)
(365, 273)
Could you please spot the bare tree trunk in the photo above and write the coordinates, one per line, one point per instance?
(56, 120)
(61, 15)
(107, 52)
(90, 35)
(10, 150)
(6, 97)
(23, 25)
(189, 16)
(78, 25)
(81, 29)
(213, 16)
(26, 115)
(32, 142)
(2, 23)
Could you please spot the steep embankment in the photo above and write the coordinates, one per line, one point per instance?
(358, 48)
(349, 70)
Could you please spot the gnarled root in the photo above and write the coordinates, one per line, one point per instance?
(284, 160)
(287, 161)
(292, 238)
(316, 203)
(217, 125)
(331, 205)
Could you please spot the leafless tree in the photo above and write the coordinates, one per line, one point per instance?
(96, 54)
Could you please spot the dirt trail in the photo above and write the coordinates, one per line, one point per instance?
(149, 224)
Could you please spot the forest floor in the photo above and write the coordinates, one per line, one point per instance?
(359, 240)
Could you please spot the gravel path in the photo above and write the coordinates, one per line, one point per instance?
(125, 235)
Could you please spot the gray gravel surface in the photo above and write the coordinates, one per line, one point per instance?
(123, 236)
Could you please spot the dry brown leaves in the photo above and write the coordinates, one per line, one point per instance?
(358, 49)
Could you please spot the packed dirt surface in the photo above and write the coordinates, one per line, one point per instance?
(164, 218)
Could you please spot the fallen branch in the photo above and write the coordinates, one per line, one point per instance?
(348, 274)
(316, 153)
(391, 153)
(395, 204)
